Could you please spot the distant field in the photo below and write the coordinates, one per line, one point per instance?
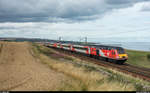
(139, 58)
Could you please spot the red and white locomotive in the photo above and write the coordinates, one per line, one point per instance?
(102, 52)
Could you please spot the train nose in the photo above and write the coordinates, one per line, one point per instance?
(123, 56)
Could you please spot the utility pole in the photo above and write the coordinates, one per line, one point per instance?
(59, 39)
(80, 40)
(85, 40)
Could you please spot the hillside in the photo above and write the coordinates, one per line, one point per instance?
(27, 66)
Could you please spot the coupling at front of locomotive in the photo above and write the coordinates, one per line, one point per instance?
(122, 55)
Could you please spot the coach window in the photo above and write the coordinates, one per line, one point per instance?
(81, 48)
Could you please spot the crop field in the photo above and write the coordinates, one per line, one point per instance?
(29, 66)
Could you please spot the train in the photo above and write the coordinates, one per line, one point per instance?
(113, 54)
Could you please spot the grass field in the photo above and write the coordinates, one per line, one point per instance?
(139, 58)
(88, 76)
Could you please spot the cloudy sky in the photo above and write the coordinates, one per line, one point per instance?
(98, 20)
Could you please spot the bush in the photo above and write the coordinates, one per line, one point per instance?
(148, 56)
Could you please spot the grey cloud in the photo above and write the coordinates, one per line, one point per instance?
(146, 7)
(118, 2)
(57, 10)
(115, 2)
(1, 28)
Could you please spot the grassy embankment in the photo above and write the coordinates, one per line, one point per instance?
(87, 76)
(139, 58)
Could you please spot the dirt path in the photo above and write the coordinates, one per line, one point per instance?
(19, 70)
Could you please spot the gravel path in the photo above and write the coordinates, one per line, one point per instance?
(19, 70)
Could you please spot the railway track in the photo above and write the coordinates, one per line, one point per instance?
(135, 71)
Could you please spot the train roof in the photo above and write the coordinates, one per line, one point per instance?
(100, 46)
(93, 45)
(106, 46)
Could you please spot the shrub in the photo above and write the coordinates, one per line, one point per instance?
(148, 56)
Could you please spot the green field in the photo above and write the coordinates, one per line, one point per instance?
(138, 58)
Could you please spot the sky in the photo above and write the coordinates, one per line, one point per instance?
(98, 20)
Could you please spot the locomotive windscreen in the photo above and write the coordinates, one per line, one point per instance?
(120, 50)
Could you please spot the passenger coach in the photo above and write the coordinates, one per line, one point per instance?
(102, 52)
